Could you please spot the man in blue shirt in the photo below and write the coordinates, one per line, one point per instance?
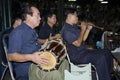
(78, 53)
(23, 43)
(24, 48)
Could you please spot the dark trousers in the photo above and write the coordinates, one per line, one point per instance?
(101, 59)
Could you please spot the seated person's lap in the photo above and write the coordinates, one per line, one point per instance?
(35, 73)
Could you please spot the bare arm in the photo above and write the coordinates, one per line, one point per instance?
(78, 42)
(35, 57)
(19, 57)
(89, 27)
(42, 41)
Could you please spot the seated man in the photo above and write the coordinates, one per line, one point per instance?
(23, 48)
(47, 31)
(78, 53)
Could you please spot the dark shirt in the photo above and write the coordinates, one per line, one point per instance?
(22, 39)
(70, 34)
(45, 32)
(102, 59)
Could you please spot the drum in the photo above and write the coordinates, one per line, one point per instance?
(55, 51)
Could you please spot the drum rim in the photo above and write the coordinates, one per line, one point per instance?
(53, 67)
(44, 49)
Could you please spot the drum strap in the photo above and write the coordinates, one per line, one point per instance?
(57, 66)
(46, 69)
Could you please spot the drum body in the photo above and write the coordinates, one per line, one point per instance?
(55, 51)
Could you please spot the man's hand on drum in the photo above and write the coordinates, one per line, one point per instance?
(51, 37)
(57, 36)
(39, 59)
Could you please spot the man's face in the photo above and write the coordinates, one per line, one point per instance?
(52, 19)
(35, 18)
(73, 18)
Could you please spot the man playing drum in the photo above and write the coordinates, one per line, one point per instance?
(24, 49)
(54, 70)
(48, 30)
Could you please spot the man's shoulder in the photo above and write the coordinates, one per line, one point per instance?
(67, 26)
(18, 30)
(21, 27)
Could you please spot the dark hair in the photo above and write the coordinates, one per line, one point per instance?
(49, 14)
(70, 11)
(26, 9)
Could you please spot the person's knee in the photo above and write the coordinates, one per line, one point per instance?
(55, 75)
(101, 60)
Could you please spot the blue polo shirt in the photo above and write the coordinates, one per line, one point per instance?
(69, 34)
(45, 31)
(22, 39)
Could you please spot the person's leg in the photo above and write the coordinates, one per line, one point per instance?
(64, 66)
(37, 74)
(101, 62)
(109, 59)
(108, 56)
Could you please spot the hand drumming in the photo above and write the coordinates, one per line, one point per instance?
(36, 58)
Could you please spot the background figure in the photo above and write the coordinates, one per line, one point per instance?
(17, 22)
(78, 53)
(47, 31)
(3, 60)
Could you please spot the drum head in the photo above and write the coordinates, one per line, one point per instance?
(52, 60)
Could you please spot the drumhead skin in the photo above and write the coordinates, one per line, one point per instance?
(55, 51)
(52, 60)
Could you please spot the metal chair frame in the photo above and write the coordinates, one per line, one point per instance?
(8, 62)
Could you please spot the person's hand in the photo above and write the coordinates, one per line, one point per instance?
(51, 37)
(58, 36)
(36, 58)
(89, 27)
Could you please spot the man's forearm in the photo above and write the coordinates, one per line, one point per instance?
(17, 57)
(78, 42)
(86, 34)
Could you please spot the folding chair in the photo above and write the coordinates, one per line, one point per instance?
(9, 66)
(80, 72)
